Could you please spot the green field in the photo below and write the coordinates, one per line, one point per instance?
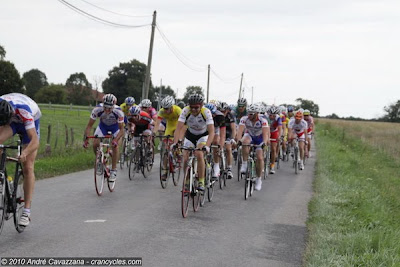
(354, 216)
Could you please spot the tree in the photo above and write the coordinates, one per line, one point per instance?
(332, 116)
(2, 53)
(10, 80)
(127, 80)
(393, 112)
(308, 104)
(54, 93)
(79, 89)
(192, 90)
(34, 80)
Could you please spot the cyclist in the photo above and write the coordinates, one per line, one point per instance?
(181, 104)
(290, 112)
(111, 120)
(197, 125)
(170, 112)
(256, 131)
(19, 114)
(285, 121)
(298, 127)
(229, 138)
(240, 109)
(275, 133)
(140, 122)
(128, 103)
(146, 106)
(310, 122)
(219, 128)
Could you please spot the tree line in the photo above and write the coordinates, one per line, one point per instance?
(124, 80)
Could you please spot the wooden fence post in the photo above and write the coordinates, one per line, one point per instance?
(55, 144)
(72, 137)
(66, 135)
(48, 147)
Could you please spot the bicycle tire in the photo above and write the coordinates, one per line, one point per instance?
(142, 160)
(195, 196)
(177, 173)
(150, 157)
(246, 188)
(296, 160)
(133, 165)
(239, 160)
(266, 164)
(251, 177)
(122, 156)
(278, 157)
(210, 187)
(18, 198)
(203, 193)
(164, 156)
(99, 172)
(185, 198)
(3, 201)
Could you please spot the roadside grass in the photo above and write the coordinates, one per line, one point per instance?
(354, 215)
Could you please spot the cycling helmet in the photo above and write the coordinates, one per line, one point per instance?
(181, 104)
(306, 112)
(109, 100)
(253, 108)
(196, 99)
(6, 111)
(242, 102)
(134, 110)
(282, 109)
(273, 110)
(146, 103)
(129, 101)
(232, 106)
(168, 102)
(211, 107)
(224, 106)
(302, 110)
(290, 109)
(299, 115)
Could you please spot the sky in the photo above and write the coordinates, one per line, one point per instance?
(343, 54)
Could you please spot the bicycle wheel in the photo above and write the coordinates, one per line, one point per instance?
(99, 173)
(195, 195)
(203, 193)
(278, 157)
(239, 162)
(296, 160)
(3, 200)
(210, 185)
(18, 198)
(222, 177)
(133, 163)
(150, 157)
(177, 172)
(164, 162)
(251, 177)
(186, 192)
(247, 184)
(122, 156)
(266, 164)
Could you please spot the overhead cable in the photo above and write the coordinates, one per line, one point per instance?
(106, 10)
(92, 17)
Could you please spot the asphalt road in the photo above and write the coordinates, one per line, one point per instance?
(140, 219)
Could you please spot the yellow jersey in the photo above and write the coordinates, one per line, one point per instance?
(124, 107)
(171, 119)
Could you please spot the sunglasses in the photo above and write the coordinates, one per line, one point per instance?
(241, 106)
(251, 114)
(195, 107)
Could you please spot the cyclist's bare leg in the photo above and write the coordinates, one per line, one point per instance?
(114, 159)
(259, 162)
(29, 178)
(301, 147)
(245, 150)
(201, 166)
(215, 150)
(229, 156)
(274, 151)
(96, 143)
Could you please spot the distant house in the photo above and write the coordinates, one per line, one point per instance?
(97, 96)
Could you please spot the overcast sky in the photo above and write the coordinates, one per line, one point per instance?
(343, 54)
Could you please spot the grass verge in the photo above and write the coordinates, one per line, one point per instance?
(354, 216)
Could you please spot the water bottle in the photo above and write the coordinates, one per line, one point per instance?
(10, 183)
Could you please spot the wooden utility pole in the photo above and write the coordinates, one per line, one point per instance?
(252, 92)
(159, 96)
(208, 82)
(145, 93)
(240, 89)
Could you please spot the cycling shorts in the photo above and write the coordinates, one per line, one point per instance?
(19, 128)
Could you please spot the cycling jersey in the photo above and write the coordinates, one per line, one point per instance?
(275, 123)
(229, 118)
(151, 111)
(124, 107)
(143, 124)
(26, 114)
(108, 122)
(310, 123)
(171, 119)
(254, 128)
(299, 128)
(239, 115)
(197, 125)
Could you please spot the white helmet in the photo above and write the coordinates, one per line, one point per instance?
(253, 108)
(167, 102)
(109, 100)
(146, 103)
(273, 110)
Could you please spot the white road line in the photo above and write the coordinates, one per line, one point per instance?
(94, 221)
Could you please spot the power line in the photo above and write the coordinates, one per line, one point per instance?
(228, 80)
(92, 17)
(182, 58)
(131, 16)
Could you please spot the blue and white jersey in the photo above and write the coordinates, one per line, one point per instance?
(26, 111)
(254, 128)
(113, 118)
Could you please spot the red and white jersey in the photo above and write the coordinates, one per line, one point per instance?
(254, 128)
(116, 116)
(298, 128)
(152, 112)
(310, 122)
(26, 110)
